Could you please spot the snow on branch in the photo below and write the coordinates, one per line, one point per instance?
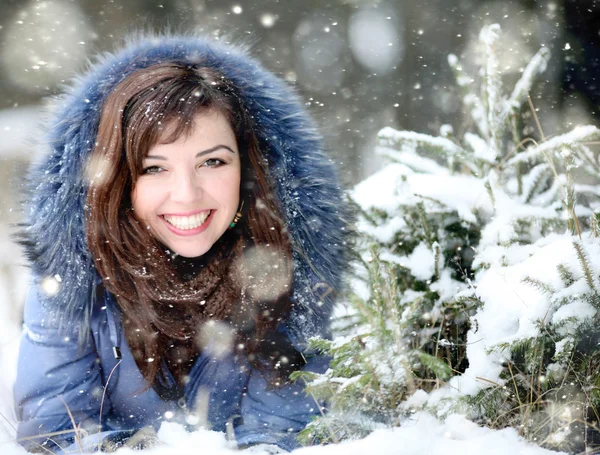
(536, 66)
(481, 149)
(471, 101)
(463, 79)
(445, 147)
(579, 135)
(493, 84)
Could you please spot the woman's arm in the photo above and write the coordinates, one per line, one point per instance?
(59, 384)
(275, 415)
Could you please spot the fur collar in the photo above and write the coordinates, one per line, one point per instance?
(304, 178)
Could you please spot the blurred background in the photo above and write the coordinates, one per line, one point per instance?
(360, 65)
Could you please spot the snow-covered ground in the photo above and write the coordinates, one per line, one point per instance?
(423, 435)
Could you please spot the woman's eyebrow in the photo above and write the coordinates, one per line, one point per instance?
(212, 149)
(199, 154)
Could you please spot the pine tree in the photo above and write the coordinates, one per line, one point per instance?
(444, 217)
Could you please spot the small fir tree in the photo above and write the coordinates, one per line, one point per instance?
(437, 224)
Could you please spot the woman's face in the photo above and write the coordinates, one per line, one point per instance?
(188, 192)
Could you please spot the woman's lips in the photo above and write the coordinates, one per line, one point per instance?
(180, 224)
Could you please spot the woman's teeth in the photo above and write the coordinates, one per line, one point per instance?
(187, 222)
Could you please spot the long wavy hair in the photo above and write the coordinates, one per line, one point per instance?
(158, 104)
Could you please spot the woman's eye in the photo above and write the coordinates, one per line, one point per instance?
(213, 162)
(152, 170)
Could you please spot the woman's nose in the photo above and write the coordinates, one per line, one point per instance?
(185, 188)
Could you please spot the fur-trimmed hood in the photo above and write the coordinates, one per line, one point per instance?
(304, 179)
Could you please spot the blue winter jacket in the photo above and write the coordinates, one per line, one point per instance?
(73, 332)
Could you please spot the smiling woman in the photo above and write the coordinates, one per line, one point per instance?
(195, 235)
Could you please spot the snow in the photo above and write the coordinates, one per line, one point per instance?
(392, 136)
(379, 190)
(514, 309)
(536, 66)
(268, 20)
(446, 287)
(422, 262)
(446, 130)
(588, 133)
(493, 84)
(480, 147)
(412, 159)
(384, 232)
(397, 185)
(423, 433)
(462, 79)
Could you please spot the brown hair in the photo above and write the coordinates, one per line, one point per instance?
(159, 103)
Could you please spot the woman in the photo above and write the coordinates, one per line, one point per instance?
(185, 232)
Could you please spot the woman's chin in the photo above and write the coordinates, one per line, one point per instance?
(190, 253)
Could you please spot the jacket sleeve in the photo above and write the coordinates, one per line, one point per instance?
(59, 382)
(272, 415)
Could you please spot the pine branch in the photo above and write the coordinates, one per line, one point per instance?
(492, 85)
(438, 145)
(536, 66)
(481, 149)
(544, 288)
(423, 217)
(490, 191)
(585, 265)
(565, 275)
(472, 102)
(440, 368)
(536, 181)
(535, 154)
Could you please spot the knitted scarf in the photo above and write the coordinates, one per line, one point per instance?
(198, 290)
